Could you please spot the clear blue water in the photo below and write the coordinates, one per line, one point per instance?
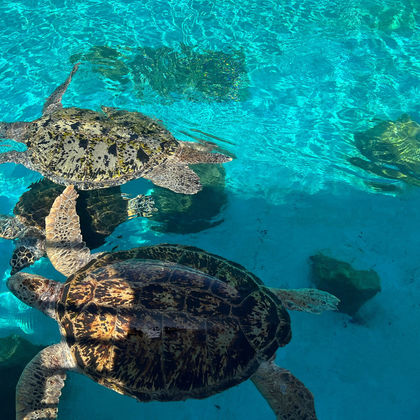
(316, 73)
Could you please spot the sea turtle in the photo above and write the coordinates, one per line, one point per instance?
(392, 149)
(164, 322)
(101, 212)
(101, 149)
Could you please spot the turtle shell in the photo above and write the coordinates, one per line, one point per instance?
(169, 322)
(90, 149)
(101, 211)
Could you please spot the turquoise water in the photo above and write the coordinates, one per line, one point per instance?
(294, 83)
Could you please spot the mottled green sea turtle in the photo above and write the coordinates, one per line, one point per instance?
(101, 149)
(392, 149)
(165, 322)
(101, 212)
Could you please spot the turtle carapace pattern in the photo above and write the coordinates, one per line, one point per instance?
(92, 150)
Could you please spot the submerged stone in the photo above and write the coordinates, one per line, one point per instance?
(352, 287)
(212, 75)
(15, 354)
(185, 71)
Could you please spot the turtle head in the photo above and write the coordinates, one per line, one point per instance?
(36, 291)
(14, 130)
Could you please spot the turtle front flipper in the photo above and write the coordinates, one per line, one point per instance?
(53, 102)
(27, 251)
(64, 244)
(287, 396)
(314, 301)
(141, 205)
(178, 178)
(39, 388)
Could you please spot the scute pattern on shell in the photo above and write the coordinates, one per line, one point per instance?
(91, 149)
(157, 330)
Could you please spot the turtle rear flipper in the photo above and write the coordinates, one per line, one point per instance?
(39, 388)
(53, 102)
(64, 245)
(178, 178)
(287, 396)
(314, 301)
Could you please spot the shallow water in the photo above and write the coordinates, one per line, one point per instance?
(288, 85)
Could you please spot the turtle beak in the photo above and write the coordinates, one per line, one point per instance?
(16, 282)
(9, 284)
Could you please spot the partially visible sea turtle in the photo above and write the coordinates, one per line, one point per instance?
(165, 323)
(101, 149)
(392, 149)
(101, 212)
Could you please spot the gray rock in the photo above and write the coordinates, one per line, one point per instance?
(352, 287)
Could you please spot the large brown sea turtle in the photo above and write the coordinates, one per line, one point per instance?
(101, 212)
(165, 322)
(93, 150)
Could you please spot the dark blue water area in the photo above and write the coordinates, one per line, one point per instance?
(285, 87)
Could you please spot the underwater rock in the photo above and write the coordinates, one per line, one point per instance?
(216, 75)
(392, 149)
(352, 287)
(186, 72)
(15, 353)
(182, 213)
